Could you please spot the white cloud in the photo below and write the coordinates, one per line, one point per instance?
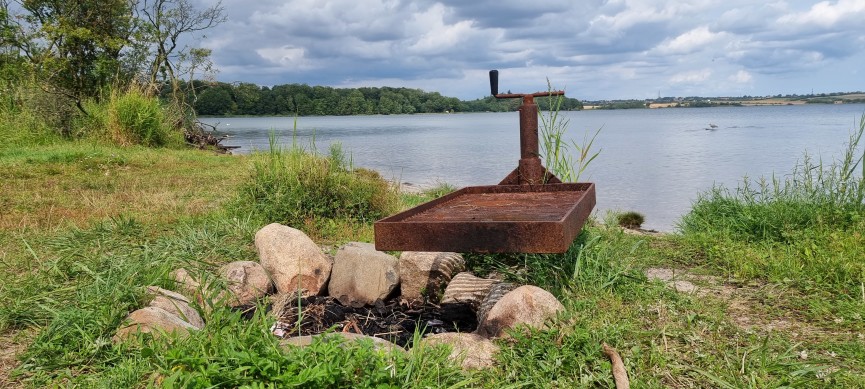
(286, 56)
(627, 14)
(691, 41)
(741, 77)
(827, 14)
(437, 36)
(691, 77)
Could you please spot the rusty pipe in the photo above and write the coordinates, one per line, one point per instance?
(529, 171)
(529, 128)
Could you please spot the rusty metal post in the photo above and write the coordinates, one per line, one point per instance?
(530, 170)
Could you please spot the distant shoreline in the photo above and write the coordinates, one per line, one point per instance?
(700, 102)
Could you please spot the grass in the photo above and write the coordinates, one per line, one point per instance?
(319, 194)
(805, 230)
(131, 117)
(90, 226)
(74, 184)
(566, 160)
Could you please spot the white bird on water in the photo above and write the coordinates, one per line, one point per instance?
(713, 125)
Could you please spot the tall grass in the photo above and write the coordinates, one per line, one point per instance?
(566, 160)
(131, 117)
(306, 190)
(30, 116)
(806, 227)
(814, 195)
(24, 128)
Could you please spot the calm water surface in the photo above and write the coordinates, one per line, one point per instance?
(652, 161)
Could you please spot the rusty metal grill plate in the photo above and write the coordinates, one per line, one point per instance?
(499, 218)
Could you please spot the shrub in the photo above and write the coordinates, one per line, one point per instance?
(131, 118)
(630, 219)
(24, 128)
(303, 189)
(31, 116)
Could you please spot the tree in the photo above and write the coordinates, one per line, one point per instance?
(389, 103)
(11, 63)
(76, 45)
(215, 101)
(166, 21)
(246, 95)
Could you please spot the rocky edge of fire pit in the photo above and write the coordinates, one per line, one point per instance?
(456, 308)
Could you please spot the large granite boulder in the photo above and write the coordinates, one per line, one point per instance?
(471, 351)
(246, 281)
(152, 320)
(292, 259)
(527, 305)
(361, 275)
(423, 275)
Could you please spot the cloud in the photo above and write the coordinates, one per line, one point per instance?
(741, 77)
(433, 36)
(604, 49)
(286, 56)
(750, 18)
(827, 14)
(691, 41)
(691, 77)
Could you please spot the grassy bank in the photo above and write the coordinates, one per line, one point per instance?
(778, 280)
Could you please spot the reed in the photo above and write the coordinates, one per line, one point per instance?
(567, 159)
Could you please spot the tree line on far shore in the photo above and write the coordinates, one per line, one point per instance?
(223, 99)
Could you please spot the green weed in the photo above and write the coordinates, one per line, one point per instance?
(630, 219)
(566, 160)
(131, 117)
(242, 353)
(305, 190)
(30, 116)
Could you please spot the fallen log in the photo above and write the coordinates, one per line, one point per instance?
(202, 139)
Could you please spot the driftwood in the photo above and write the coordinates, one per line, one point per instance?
(198, 137)
(620, 376)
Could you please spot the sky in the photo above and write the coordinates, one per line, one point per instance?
(594, 50)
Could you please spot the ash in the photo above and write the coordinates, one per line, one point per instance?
(391, 320)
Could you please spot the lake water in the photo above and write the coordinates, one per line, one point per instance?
(652, 161)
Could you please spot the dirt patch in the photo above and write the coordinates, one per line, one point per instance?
(391, 320)
(11, 344)
(643, 232)
(745, 307)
